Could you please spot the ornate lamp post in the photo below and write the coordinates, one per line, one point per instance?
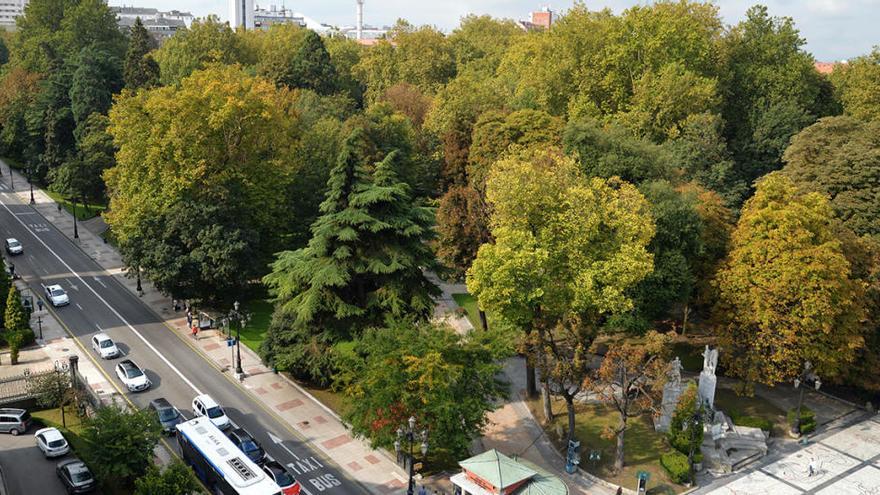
(241, 319)
(75, 231)
(410, 434)
(31, 182)
(805, 376)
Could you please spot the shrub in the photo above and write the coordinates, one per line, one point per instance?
(682, 434)
(808, 419)
(753, 421)
(676, 464)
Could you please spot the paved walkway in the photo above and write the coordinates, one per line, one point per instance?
(312, 420)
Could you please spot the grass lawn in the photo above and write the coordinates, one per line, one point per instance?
(469, 303)
(255, 331)
(732, 404)
(52, 417)
(643, 445)
(81, 212)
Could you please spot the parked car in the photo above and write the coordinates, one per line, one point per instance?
(104, 346)
(13, 247)
(51, 442)
(14, 421)
(132, 376)
(75, 476)
(204, 405)
(246, 443)
(56, 295)
(168, 415)
(288, 484)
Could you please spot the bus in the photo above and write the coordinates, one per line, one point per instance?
(218, 463)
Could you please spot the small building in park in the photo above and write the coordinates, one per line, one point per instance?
(493, 473)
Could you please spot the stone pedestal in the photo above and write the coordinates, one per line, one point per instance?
(671, 395)
(706, 389)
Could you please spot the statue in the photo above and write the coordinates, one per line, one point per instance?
(675, 368)
(710, 360)
(671, 394)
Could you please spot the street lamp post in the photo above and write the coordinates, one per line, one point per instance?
(75, 231)
(31, 182)
(806, 375)
(241, 318)
(410, 434)
(40, 318)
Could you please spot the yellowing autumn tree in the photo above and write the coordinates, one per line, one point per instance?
(786, 291)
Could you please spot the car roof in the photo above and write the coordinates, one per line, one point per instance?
(53, 287)
(274, 466)
(102, 336)
(160, 402)
(12, 410)
(206, 400)
(128, 363)
(70, 461)
(11, 239)
(242, 434)
(51, 434)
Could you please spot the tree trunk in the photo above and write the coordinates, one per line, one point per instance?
(684, 319)
(545, 399)
(483, 322)
(569, 404)
(618, 460)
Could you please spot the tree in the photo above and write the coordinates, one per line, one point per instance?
(49, 120)
(567, 248)
(140, 70)
(205, 42)
(122, 444)
(310, 66)
(837, 156)
(686, 428)
(462, 227)
(630, 379)
(857, 86)
(18, 90)
(176, 479)
(345, 53)
(479, 42)
(96, 78)
(5, 285)
(15, 318)
(204, 197)
(447, 382)
(408, 100)
(786, 291)
(608, 151)
(364, 263)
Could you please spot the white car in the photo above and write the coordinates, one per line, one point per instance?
(51, 442)
(132, 376)
(204, 405)
(104, 346)
(13, 247)
(56, 295)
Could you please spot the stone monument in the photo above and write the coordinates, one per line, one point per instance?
(706, 390)
(671, 395)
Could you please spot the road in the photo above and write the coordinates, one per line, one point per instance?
(99, 303)
(39, 477)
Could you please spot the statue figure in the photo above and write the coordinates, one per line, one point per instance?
(675, 368)
(710, 360)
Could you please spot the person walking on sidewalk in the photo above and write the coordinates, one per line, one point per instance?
(422, 490)
(189, 318)
(195, 329)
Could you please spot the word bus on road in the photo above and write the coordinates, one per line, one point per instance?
(218, 463)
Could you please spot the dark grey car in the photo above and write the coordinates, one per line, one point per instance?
(167, 414)
(76, 476)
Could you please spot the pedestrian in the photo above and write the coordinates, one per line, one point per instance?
(195, 329)
(619, 490)
(811, 468)
(189, 318)
(422, 491)
(176, 304)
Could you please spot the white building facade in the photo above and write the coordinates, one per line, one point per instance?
(10, 10)
(241, 14)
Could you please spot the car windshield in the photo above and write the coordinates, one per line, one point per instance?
(57, 443)
(167, 414)
(14, 244)
(26, 416)
(215, 412)
(56, 292)
(81, 476)
(106, 343)
(133, 372)
(282, 478)
(249, 446)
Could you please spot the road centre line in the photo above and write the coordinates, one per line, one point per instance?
(111, 308)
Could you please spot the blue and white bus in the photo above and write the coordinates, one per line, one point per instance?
(221, 466)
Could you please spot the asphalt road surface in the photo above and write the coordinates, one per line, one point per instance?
(25, 469)
(98, 303)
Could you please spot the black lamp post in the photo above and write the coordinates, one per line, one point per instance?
(75, 231)
(11, 184)
(806, 375)
(31, 182)
(241, 319)
(410, 434)
(138, 276)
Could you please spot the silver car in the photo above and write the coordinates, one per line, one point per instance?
(51, 442)
(56, 295)
(104, 346)
(13, 247)
(14, 421)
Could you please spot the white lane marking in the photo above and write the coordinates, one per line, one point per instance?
(99, 328)
(277, 441)
(80, 307)
(26, 213)
(100, 282)
(303, 488)
(113, 310)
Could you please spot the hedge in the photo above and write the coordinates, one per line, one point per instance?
(808, 420)
(676, 464)
(754, 422)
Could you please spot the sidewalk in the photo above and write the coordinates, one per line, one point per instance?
(313, 421)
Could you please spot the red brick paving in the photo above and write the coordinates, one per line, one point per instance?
(261, 391)
(276, 386)
(289, 405)
(223, 361)
(211, 347)
(392, 486)
(355, 466)
(372, 459)
(336, 441)
(320, 419)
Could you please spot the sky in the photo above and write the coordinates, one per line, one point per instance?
(834, 29)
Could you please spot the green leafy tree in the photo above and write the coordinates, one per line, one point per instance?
(425, 371)
(345, 53)
(140, 70)
(49, 120)
(786, 291)
(479, 42)
(462, 227)
(363, 263)
(686, 429)
(567, 248)
(612, 151)
(205, 42)
(122, 444)
(18, 90)
(175, 479)
(857, 86)
(205, 196)
(96, 78)
(15, 318)
(5, 285)
(837, 156)
(309, 66)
